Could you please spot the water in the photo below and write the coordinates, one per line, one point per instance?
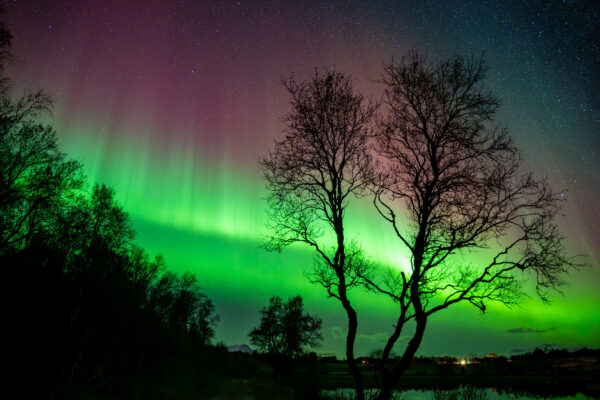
(466, 392)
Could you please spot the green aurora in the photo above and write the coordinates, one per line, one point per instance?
(172, 103)
(209, 218)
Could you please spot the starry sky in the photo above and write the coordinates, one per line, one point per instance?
(172, 102)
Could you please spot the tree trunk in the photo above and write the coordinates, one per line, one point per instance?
(393, 375)
(340, 264)
(350, 338)
(391, 378)
(385, 355)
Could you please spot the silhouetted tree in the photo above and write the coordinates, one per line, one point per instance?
(312, 173)
(81, 311)
(460, 181)
(284, 331)
(181, 304)
(34, 174)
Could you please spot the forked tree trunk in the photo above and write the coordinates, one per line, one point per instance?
(392, 377)
(350, 338)
(350, 311)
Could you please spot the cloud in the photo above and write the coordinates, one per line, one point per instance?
(518, 351)
(529, 330)
(379, 338)
(337, 333)
(376, 338)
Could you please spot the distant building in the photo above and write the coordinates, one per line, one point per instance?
(491, 355)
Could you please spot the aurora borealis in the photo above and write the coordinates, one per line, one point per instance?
(172, 102)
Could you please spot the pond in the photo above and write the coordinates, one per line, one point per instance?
(470, 392)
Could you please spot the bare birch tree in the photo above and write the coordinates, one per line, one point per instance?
(459, 183)
(311, 175)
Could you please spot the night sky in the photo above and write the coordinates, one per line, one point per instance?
(172, 102)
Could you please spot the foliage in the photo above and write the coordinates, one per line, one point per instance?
(94, 293)
(284, 333)
(285, 329)
(87, 309)
(182, 305)
(34, 175)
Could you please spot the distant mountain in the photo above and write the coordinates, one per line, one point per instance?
(243, 348)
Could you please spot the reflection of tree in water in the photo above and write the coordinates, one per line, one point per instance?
(467, 392)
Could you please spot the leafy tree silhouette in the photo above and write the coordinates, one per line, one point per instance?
(82, 312)
(283, 332)
(183, 306)
(34, 174)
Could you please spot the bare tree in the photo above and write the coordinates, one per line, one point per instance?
(461, 183)
(312, 173)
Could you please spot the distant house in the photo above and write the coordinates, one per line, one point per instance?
(491, 355)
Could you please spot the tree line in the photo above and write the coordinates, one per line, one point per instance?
(85, 308)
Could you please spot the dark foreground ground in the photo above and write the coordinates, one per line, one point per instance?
(238, 376)
(542, 376)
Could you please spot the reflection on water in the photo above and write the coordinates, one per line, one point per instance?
(464, 392)
(467, 392)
